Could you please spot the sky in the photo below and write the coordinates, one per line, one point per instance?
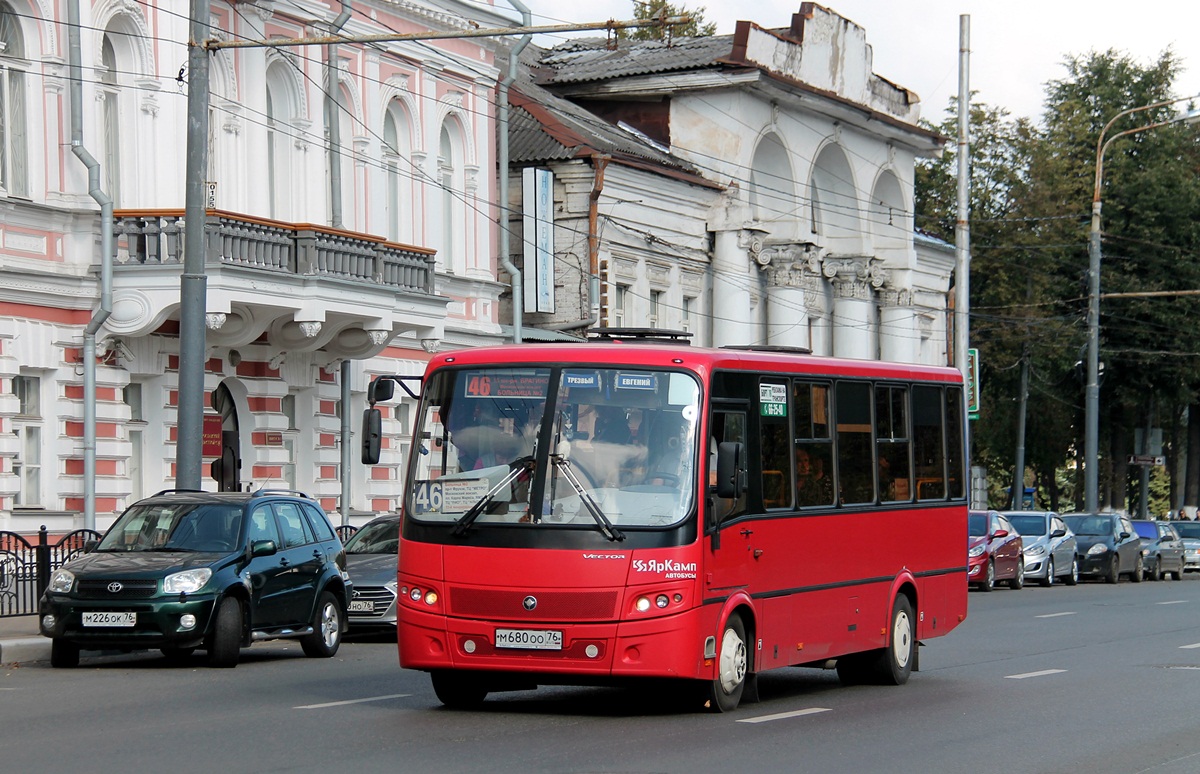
(1016, 46)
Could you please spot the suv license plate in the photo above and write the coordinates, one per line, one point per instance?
(529, 639)
(110, 619)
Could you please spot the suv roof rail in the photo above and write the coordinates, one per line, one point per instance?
(264, 492)
(178, 491)
(653, 335)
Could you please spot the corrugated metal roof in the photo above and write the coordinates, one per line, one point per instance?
(546, 127)
(590, 59)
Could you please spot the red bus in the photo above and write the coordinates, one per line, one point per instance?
(596, 513)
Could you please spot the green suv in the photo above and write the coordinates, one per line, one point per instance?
(217, 571)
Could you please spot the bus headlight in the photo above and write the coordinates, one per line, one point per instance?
(642, 604)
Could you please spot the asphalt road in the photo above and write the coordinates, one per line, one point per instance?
(1097, 679)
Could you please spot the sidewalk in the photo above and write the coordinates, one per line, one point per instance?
(20, 641)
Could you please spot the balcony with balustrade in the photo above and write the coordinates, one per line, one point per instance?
(303, 287)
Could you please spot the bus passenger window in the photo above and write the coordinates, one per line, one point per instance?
(856, 453)
(813, 483)
(928, 443)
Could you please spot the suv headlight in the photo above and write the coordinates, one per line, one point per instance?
(1097, 549)
(61, 582)
(187, 581)
(976, 551)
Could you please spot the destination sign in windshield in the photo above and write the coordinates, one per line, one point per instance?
(505, 384)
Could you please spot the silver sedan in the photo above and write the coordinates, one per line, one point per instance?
(1049, 547)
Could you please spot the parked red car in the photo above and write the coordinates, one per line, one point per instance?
(994, 551)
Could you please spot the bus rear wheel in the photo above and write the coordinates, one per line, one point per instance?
(458, 690)
(733, 665)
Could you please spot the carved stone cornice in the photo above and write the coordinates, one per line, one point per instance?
(788, 264)
(897, 297)
(855, 277)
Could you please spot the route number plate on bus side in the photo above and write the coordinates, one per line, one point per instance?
(529, 639)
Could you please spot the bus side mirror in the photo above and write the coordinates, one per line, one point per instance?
(731, 470)
(372, 435)
(381, 389)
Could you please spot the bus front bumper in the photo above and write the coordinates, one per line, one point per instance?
(667, 646)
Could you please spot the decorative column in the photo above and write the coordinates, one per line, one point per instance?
(898, 333)
(854, 279)
(793, 274)
(731, 324)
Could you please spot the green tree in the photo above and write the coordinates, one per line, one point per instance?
(1015, 312)
(654, 9)
(1151, 225)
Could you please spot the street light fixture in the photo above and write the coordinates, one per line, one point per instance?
(1092, 405)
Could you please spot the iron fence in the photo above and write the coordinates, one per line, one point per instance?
(25, 567)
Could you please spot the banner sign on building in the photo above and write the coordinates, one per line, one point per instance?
(537, 187)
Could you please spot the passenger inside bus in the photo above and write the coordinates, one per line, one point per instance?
(813, 486)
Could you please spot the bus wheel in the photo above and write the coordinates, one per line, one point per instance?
(894, 662)
(851, 669)
(457, 690)
(733, 662)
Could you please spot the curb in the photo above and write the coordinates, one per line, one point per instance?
(24, 649)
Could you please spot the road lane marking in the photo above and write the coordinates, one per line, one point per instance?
(1173, 602)
(785, 715)
(1053, 615)
(353, 701)
(1190, 647)
(1042, 673)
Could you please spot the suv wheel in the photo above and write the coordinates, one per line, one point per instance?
(63, 654)
(225, 639)
(328, 625)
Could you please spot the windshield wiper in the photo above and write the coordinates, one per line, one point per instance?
(516, 467)
(606, 526)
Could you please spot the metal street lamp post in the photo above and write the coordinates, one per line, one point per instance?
(1092, 405)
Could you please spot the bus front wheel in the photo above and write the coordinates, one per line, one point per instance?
(733, 664)
(458, 690)
(894, 662)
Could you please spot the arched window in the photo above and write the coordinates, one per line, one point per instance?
(14, 149)
(343, 156)
(110, 119)
(280, 109)
(772, 190)
(397, 155)
(450, 180)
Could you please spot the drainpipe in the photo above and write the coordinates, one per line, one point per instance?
(503, 111)
(332, 88)
(106, 250)
(599, 165)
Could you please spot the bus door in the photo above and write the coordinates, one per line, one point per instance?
(730, 558)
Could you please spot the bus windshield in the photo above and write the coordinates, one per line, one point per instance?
(550, 447)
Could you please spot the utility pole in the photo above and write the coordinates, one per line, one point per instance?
(193, 285)
(962, 235)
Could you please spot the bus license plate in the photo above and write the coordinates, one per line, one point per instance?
(529, 639)
(110, 619)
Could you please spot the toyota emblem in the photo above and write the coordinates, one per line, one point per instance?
(115, 587)
(529, 603)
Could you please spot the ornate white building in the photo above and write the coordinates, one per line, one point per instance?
(300, 278)
(754, 188)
